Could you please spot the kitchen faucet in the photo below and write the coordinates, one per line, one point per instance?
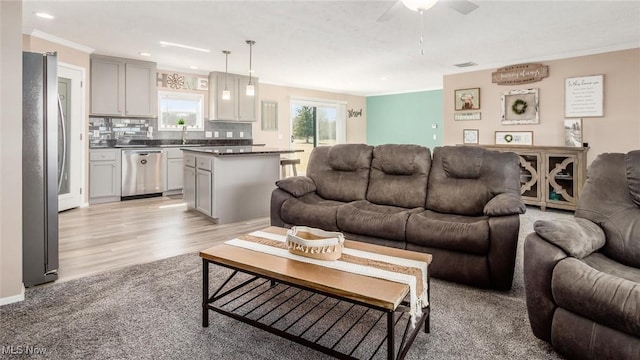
(184, 134)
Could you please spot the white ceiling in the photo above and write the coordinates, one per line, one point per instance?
(339, 46)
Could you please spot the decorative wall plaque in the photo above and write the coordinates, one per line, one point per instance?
(584, 96)
(175, 81)
(520, 74)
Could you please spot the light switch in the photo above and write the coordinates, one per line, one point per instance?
(216, 134)
(96, 133)
(241, 134)
(229, 134)
(207, 134)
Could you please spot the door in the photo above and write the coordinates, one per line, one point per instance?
(70, 149)
(315, 123)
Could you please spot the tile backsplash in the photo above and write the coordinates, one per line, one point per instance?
(106, 128)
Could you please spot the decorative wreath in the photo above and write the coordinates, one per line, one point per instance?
(519, 106)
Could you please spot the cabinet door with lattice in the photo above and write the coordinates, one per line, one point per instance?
(531, 173)
(562, 180)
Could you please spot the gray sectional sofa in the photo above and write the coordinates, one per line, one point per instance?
(582, 275)
(462, 205)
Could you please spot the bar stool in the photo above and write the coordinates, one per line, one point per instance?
(283, 167)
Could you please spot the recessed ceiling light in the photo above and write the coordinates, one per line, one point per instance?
(383, 78)
(44, 15)
(145, 54)
(465, 64)
(166, 43)
(193, 67)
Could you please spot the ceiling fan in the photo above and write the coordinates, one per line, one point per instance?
(462, 6)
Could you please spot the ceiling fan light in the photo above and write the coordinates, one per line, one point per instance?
(419, 5)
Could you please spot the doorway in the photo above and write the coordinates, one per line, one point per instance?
(70, 149)
(316, 123)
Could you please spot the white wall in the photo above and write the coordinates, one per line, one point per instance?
(356, 127)
(11, 289)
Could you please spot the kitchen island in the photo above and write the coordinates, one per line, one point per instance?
(231, 183)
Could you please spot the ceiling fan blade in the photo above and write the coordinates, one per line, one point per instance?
(462, 6)
(391, 12)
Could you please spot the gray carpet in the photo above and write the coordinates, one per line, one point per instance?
(152, 311)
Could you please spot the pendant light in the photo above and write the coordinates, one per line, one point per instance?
(226, 93)
(251, 90)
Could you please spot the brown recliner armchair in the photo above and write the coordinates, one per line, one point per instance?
(582, 276)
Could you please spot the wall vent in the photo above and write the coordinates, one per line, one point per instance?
(467, 64)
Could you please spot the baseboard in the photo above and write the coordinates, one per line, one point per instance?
(12, 299)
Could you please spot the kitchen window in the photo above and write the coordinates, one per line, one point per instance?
(173, 106)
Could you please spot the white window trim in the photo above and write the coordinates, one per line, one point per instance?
(181, 95)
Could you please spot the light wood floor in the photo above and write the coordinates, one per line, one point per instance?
(110, 236)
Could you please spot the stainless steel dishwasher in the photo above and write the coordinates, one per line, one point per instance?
(142, 172)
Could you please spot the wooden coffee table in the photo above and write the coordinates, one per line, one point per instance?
(272, 276)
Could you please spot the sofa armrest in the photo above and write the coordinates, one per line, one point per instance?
(505, 204)
(297, 185)
(577, 237)
(540, 259)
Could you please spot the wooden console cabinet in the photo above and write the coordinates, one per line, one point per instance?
(550, 176)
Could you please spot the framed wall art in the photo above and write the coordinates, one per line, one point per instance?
(573, 132)
(467, 99)
(520, 107)
(470, 136)
(514, 137)
(583, 96)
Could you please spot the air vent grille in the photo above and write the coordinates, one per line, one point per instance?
(466, 64)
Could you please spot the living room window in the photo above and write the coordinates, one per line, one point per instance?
(174, 106)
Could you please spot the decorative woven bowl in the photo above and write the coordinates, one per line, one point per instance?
(315, 243)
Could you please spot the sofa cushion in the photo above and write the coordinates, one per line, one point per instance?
(340, 172)
(463, 179)
(632, 163)
(607, 299)
(399, 175)
(311, 210)
(468, 234)
(607, 201)
(462, 163)
(363, 217)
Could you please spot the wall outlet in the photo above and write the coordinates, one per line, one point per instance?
(280, 136)
(434, 126)
(435, 137)
(241, 134)
(229, 134)
(207, 134)
(216, 134)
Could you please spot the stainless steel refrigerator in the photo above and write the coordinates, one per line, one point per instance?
(39, 168)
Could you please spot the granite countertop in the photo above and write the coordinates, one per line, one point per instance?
(238, 150)
(150, 143)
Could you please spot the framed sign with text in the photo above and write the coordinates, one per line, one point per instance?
(584, 96)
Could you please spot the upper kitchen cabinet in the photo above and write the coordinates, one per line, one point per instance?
(240, 107)
(123, 87)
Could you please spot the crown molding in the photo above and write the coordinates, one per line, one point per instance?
(61, 41)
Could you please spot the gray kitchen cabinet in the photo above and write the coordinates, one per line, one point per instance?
(203, 191)
(190, 186)
(240, 107)
(174, 174)
(105, 168)
(123, 87)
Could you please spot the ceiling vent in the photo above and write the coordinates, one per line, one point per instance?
(464, 65)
